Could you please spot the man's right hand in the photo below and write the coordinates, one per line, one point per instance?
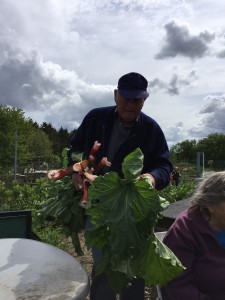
(78, 181)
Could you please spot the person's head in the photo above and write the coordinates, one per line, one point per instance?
(209, 197)
(130, 96)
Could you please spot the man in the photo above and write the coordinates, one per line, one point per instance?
(176, 176)
(121, 129)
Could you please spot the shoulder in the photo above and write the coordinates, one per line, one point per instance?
(99, 114)
(184, 216)
(179, 230)
(182, 223)
(188, 220)
(147, 119)
(149, 122)
(101, 110)
(150, 126)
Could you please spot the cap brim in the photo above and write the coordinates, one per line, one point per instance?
(133, 94)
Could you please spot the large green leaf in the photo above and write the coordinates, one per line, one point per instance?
(115, 210)
(124, 213)
(63, 206)
(132, 165)
(157, 264)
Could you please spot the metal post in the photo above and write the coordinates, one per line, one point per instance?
(198, 164)
(203, 164)
(15, 154)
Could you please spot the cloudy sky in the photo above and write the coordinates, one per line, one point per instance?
(59, 59)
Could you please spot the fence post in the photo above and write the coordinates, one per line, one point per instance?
(15, 154)
(198, 164)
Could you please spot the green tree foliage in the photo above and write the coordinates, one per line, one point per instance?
(63, 138)
(39, 145)
(20, 133)
(213, 147)
(52, 135)
(59, 139)
(184, 151)
(14, 128)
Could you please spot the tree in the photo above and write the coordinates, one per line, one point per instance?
(59, 139)
(63, 138)
(24, 135)
(52, 135)
(12, 123)
(213, 147)
(39, 145)
(184, 151)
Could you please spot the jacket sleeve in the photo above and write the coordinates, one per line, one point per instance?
(77, 141)
(157, 160)
(179, 240)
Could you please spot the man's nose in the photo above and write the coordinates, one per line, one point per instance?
(131, 101)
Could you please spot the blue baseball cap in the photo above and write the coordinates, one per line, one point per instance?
(133, 85)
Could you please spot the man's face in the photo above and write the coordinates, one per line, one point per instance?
(128, 109)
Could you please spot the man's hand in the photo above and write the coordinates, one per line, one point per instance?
(78, 181)
(149, 177)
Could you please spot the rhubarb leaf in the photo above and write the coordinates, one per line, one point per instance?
(124, 212)
(114, 210)
(157, 264)
(132, 165)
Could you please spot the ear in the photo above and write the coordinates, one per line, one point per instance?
(210, 208)
(115, 95)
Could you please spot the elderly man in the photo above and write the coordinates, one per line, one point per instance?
(121, 129)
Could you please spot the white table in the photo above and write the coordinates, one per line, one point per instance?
(34, 270)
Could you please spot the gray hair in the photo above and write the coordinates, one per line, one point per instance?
(210, 192)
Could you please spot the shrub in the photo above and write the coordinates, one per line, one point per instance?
(182, 191)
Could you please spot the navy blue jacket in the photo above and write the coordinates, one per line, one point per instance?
(146, 135)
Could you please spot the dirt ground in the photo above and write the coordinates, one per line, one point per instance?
(86, 262)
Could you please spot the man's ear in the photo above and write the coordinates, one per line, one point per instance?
(115, 95)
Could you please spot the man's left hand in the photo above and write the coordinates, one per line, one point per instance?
(149, 177)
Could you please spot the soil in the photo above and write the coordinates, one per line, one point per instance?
(87, 262)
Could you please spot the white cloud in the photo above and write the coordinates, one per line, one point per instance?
(59, 59)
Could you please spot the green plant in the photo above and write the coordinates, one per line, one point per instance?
(182, 191)
(25, 197)
(123, 213)
(63, 207)
(52, 235)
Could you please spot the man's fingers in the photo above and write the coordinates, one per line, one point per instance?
(78, 181)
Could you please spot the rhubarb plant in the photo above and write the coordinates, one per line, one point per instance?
(63, 206)
(124, 212)
(66, 204)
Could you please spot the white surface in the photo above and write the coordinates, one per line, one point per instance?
(34, 270)
(160, 235)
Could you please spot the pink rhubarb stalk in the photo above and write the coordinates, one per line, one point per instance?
(95, 148)
(59, 174)
(103, 163)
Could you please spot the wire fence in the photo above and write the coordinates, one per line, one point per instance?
(26, 172)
